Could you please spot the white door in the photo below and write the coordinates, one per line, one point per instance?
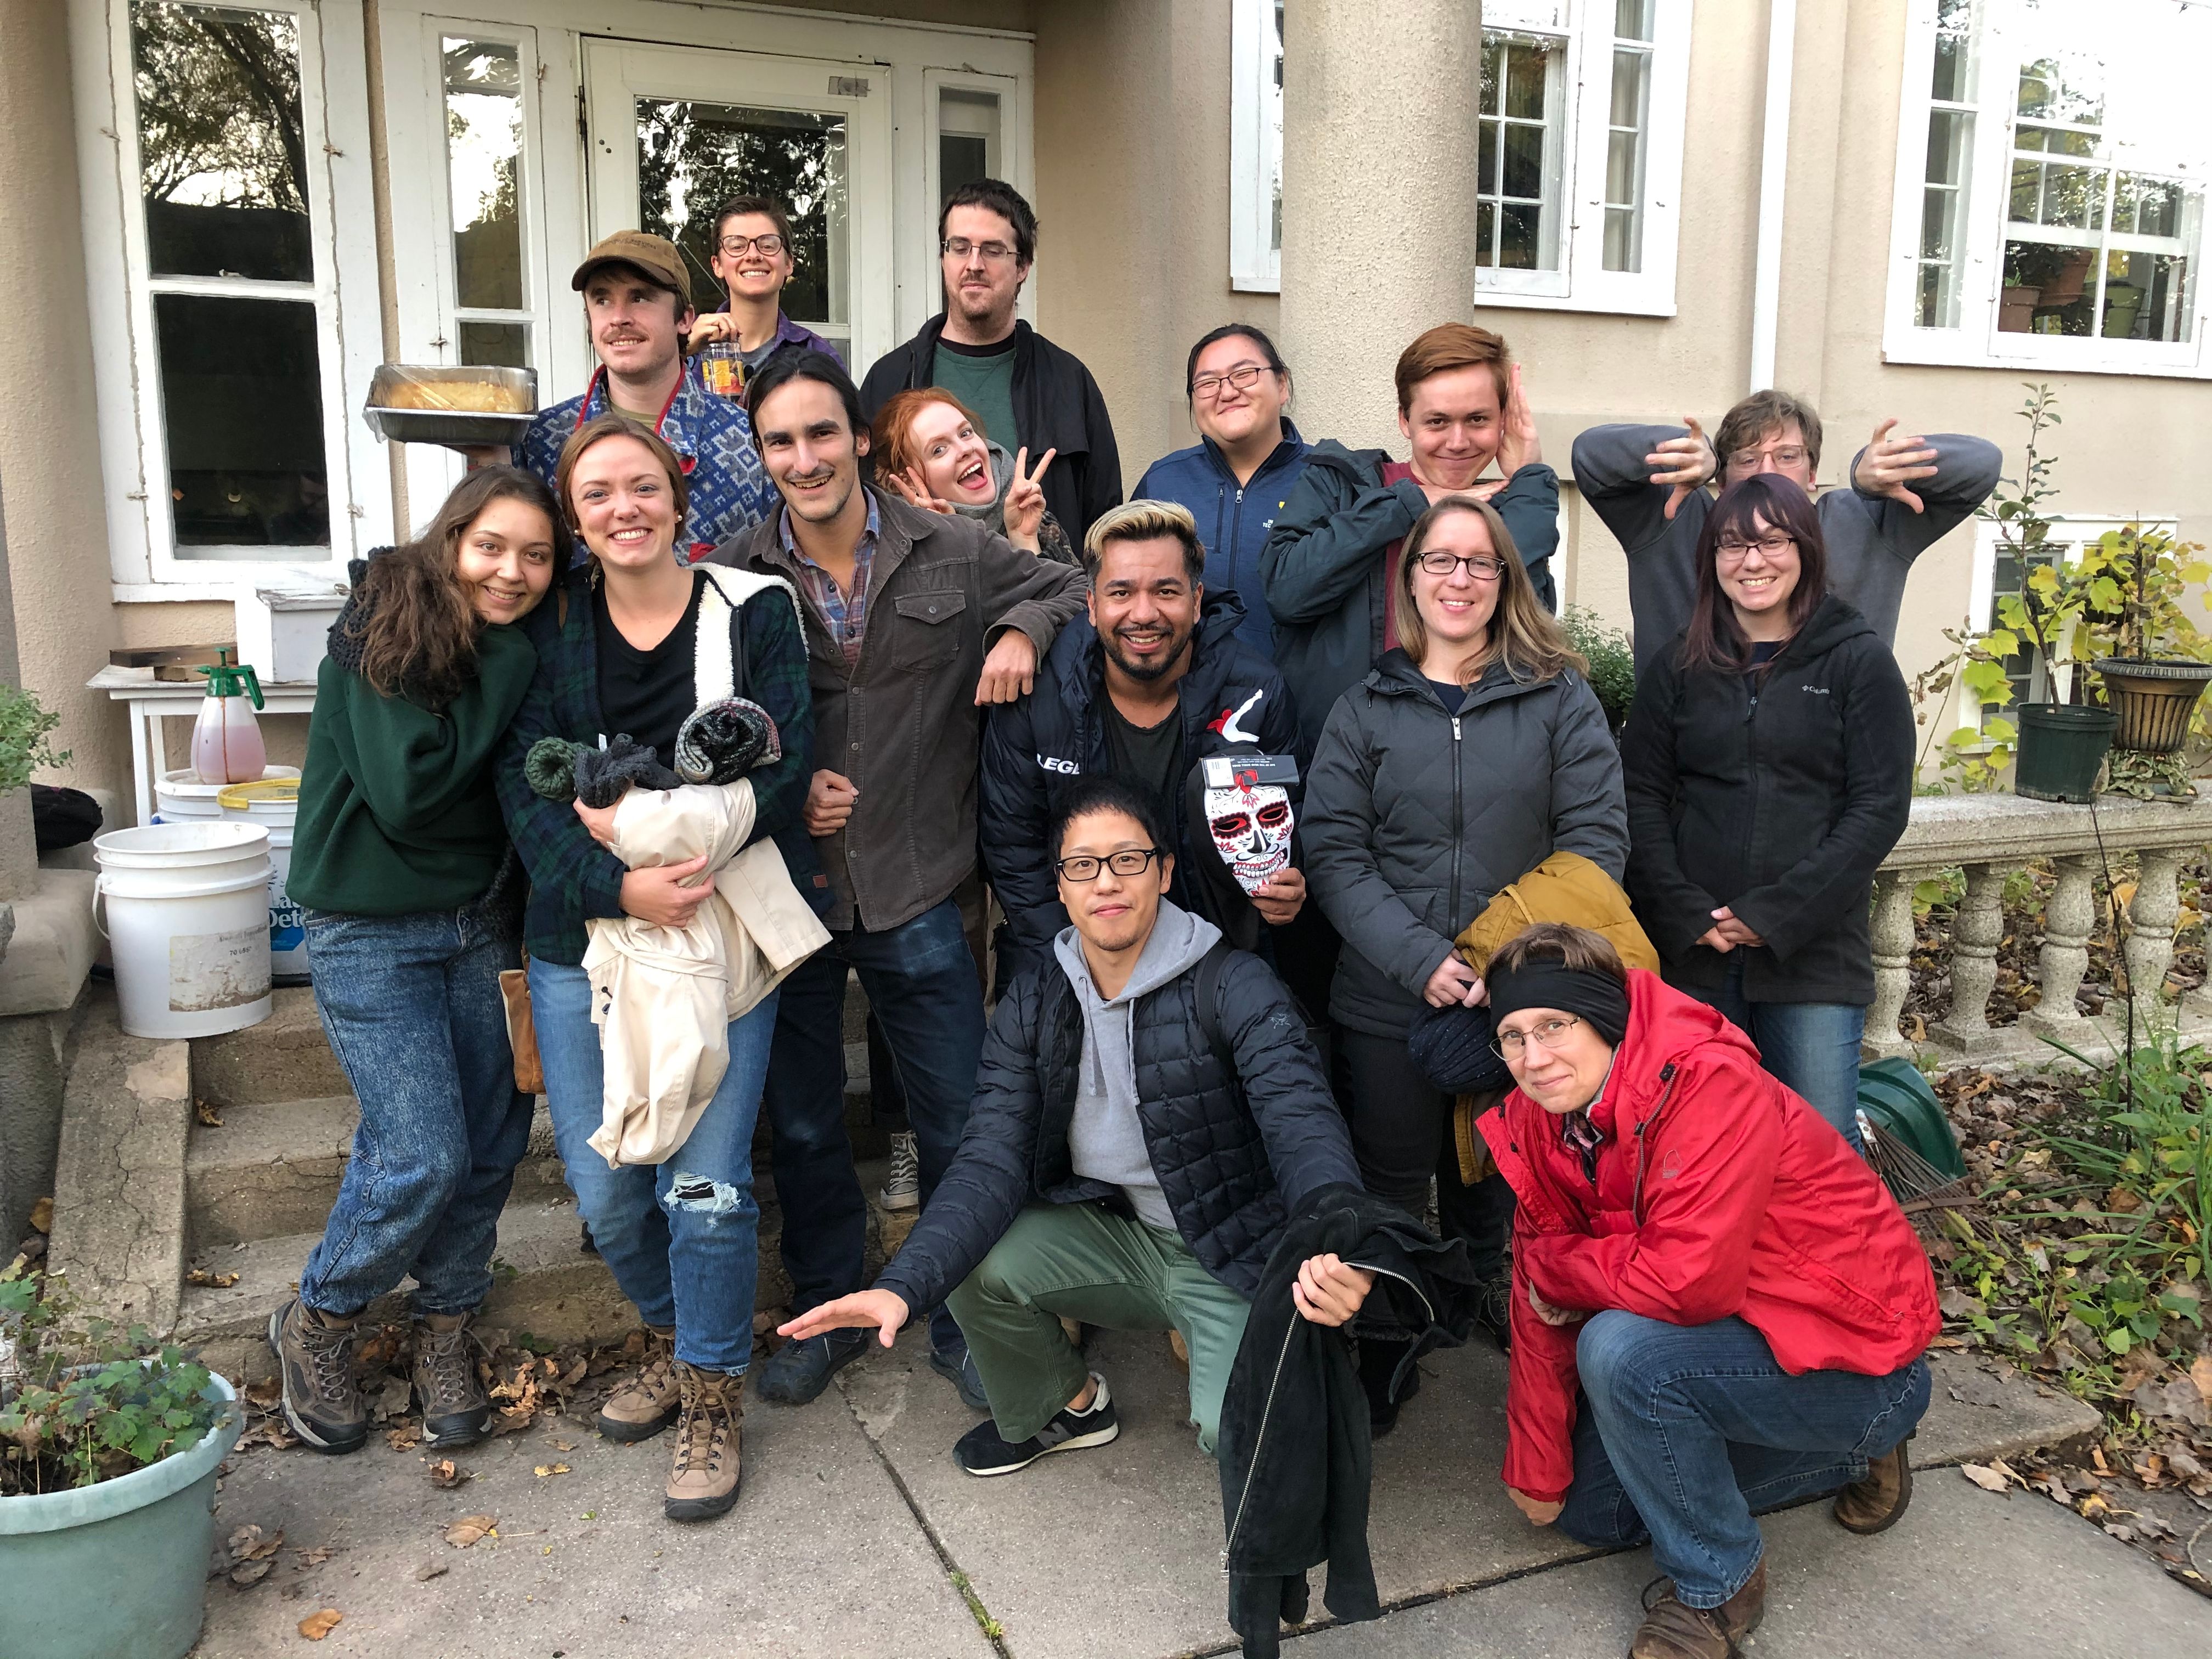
(674, 131)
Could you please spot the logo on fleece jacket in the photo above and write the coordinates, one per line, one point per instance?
(1227, 722)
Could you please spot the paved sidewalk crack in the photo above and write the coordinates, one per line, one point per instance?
(993, 1633)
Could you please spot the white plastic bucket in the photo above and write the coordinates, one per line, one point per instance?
(187, 924)
(180, 794)
(274, 803)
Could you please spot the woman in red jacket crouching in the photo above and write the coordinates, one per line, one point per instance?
(1717, 1307)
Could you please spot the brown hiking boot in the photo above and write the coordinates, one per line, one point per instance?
(1878, 1499)
(314, 1363)
(455, 1407)
(648, 1403)
(703, 1476)
(1671, 1629)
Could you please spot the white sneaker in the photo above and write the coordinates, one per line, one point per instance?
(903, 1190)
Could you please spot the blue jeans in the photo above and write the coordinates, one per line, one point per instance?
(412, 1007)
(1686, 1432)
(1812, 1047)
(920, 978)
(682, 1237)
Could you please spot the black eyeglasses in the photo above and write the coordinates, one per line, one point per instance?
(735, 247)
(1480, 565)
(1130, 862)
(1243, 377)
(960, 247)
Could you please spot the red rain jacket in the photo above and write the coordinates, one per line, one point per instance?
(1718, 1192)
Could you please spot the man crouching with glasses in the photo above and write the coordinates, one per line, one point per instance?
(1147, 1113)
(1717, 1307)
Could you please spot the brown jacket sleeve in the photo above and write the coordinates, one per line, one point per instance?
(1021, 590)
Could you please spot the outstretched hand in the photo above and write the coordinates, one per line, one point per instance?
(884, 1310)
(1024, 509)
(1684, 465)
(1890, 466)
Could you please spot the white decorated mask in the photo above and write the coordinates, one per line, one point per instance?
(1251, 826)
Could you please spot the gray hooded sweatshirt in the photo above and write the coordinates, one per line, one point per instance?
(1106, 1139)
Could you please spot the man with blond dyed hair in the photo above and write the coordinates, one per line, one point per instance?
(1649, 483)
(1154, 681)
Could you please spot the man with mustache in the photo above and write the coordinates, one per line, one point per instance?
(1156, 681)
(1028, 392)
(915, 622)
(637, 300)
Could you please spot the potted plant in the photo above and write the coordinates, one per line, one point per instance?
(108, 1452)
(2154, 670)
(2061, 742)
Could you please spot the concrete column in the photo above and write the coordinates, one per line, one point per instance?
(1379, 148)
(19, 850)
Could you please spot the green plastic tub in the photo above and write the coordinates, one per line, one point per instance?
(117, 1570)
(1894, 1094)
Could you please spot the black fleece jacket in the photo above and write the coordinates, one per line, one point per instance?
(1296, 1454)
(1777, 794)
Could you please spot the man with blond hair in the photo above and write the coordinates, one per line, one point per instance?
(1648, 486)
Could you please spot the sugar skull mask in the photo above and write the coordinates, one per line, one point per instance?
(1251, 827)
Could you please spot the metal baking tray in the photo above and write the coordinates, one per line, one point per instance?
(452, 428)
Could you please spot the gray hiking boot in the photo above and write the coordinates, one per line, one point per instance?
(314, 1363)
(455, 1407)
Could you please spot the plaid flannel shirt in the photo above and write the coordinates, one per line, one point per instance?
(730, 488)
(573, 877)
(845, 617)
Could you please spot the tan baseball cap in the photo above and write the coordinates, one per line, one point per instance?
(655, 256)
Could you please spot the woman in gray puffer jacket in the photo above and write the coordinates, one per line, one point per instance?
(1467, 757)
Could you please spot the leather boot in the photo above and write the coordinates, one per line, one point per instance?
(1671, 1629)
(703, 1476)
(455, 1407)
(1879, 1498)
(648, 1403)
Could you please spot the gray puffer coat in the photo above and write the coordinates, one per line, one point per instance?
(1416, 815)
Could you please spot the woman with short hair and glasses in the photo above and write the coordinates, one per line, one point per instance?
(1472, 752)
(755, 259)
(1769, 756)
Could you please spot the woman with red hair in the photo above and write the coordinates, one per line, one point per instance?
(931, 449)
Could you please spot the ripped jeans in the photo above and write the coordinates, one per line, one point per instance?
(682, 1238)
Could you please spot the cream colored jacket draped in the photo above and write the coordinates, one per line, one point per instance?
(663, 997)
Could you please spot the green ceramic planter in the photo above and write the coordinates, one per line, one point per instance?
(117, 1570)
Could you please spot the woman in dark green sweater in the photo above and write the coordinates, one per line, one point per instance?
(413, 900)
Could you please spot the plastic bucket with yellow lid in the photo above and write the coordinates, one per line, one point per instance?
(274, 803)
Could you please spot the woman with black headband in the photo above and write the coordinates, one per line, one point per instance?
(1717, 1307)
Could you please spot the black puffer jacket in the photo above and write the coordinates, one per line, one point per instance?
(1417, 815)
(1036, 749)
(1779, 799)
(1235, 1154)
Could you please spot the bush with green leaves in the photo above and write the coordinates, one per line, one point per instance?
(85, 1402)
(24, 724)
(1611, 664)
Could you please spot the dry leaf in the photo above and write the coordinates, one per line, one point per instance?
(214, 1281)
(250, 1543)
(404, 1437)
(206, 1112)
(563, 1446)
(1987, 1479)
(2201, 1375)
(2123, 1201)
(42, 1216)
(247, 1574)
(545, 1470)
(317, 1625)
(469, 1528)
(313, 1558)
(446, 1472)
(266, 1393)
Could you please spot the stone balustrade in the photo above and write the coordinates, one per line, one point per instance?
(1991, 836)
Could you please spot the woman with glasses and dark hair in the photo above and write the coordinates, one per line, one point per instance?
(1237, 477)
(1472, 752)
(1769, 757)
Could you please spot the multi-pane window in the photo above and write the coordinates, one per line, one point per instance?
(1628, 116)
(1255, 145)
(2055, 204)
(230, 268)
(1517, 170)
(484, 181)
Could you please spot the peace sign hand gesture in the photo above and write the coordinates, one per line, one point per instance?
(1685, 463)
(914, 492)
(1024, 503)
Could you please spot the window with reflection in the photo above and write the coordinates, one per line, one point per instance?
(223, 149)
(967, 138)
(483, 183)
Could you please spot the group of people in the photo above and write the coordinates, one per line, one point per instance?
(710, 701)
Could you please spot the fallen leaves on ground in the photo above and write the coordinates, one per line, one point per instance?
(252, 1553)
(205, 1112)
(444, 1472)
(546, 1471)
(313, 1558)
(42, 1216)
(469, 1528)
(317, 1625)
(1988, 1478)
(212, 1281)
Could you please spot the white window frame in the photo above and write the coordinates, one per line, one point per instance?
(143, 559)
(1581, 282)
(2071, 532)
(1976, 341)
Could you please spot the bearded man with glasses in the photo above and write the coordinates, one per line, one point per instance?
(1147, 1116)
(1652, 487)
(1027, 392)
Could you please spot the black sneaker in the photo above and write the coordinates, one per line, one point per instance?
(957, 1367)
(981, 1451)
(798, 1371)
(1493, 1312)
(314, 1363)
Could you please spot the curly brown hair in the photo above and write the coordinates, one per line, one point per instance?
(409, 613)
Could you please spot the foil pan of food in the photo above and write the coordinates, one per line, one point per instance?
(459, 408)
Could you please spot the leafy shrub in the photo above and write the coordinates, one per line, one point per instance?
(24, 724)
(1611, 664)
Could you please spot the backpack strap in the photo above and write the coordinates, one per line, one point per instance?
(1210, 967)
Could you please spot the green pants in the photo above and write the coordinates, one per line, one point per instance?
(1082, 1261)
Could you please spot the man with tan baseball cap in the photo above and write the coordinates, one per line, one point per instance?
(637, 300)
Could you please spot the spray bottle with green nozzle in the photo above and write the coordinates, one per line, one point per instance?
(227, 745)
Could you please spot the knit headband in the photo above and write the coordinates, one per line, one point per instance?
(1598, 999)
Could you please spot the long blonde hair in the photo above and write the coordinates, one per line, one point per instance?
(1525, 635)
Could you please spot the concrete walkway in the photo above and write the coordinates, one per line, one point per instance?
(857, 1536)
